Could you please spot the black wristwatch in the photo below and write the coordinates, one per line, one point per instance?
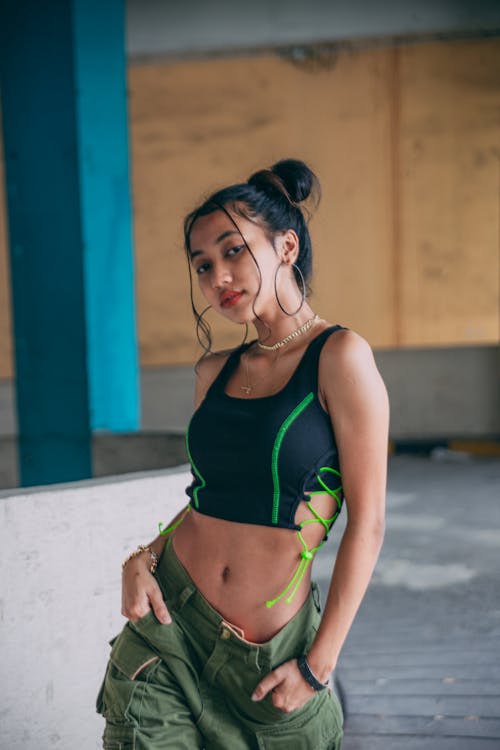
(309, 676)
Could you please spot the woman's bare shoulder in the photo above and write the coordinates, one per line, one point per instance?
(209, 365)
(348, 374)
(345, 354)
(345, 343)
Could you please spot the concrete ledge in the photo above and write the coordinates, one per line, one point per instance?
(62, 548)
(112, 453)
(455, 448)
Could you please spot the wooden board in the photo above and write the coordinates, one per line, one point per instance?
(200, 125)
(450, 188)
(406, 143)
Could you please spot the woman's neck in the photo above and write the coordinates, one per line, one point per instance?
(271, 329)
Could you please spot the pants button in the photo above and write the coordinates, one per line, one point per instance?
(226, 634)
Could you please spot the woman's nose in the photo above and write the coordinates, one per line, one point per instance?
(221, 277)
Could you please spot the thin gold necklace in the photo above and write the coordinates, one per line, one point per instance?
(293, 335)
(248, 388)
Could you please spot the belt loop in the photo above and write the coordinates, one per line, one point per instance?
(252, 658)
(316, 594)
(186, 592)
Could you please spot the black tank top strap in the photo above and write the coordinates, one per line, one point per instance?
(310, 363)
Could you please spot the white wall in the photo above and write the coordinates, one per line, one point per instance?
(61, 552)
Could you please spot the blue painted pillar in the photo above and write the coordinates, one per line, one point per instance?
(69, 231)
(100, 74)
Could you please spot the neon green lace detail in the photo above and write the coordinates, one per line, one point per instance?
(276, 450)
(163, 532)
(334, 493)
(197, 473)
(307, 554)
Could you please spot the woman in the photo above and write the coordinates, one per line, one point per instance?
(225, 646)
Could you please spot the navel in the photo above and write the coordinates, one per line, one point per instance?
(225, 574)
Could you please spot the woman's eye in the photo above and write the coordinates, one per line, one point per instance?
(203, 268)
(235, 250)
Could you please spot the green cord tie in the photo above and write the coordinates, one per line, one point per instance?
(163, 532)
(307, 554)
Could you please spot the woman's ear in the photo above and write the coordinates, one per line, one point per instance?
(289, 247)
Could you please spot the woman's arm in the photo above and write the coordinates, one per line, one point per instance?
(357, 401)
(140, 590)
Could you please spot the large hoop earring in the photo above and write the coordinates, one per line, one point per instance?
(205, 327)
(294, 265)
(207, 331)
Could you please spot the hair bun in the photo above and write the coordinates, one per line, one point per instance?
(292, 178)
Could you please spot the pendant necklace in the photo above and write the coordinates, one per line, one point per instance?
(248, 388)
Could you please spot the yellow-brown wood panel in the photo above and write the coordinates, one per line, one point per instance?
(199, 125)
(406, 144)
(449, 193)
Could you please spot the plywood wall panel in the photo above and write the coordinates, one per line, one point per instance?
(450, 189)
(406, 142)
(197, 126)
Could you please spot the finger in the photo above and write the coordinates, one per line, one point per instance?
(158, 606)
(270, 681)
(136, 612)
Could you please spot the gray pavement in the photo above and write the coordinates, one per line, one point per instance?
(420, 669)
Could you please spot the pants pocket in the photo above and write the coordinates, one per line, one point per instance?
(131, 662)
(118, 737)
(320, 728)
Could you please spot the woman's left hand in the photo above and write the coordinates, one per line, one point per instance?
(289, 689)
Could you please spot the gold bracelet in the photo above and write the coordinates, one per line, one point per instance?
(143, 548)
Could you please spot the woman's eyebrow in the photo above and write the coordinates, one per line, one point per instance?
(220, 238)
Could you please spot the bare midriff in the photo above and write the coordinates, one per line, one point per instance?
(238, 566)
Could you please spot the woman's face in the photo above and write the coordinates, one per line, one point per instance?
(226, 272)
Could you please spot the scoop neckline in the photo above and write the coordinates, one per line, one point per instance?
(272, 395)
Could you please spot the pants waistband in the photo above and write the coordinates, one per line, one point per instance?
(184, 598)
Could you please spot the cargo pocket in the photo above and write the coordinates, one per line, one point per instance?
(318, 729)
(132, 663)
(118, 737)
(99, 703)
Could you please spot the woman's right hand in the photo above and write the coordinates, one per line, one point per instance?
(140, 591)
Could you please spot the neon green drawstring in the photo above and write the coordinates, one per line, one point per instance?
(163, 532)
(306, 554)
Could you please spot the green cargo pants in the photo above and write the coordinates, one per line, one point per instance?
(187, 685)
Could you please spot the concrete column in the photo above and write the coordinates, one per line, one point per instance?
(69, 230)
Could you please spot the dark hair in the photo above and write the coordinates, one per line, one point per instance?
(270, 198)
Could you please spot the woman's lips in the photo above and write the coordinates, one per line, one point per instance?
(229, 299)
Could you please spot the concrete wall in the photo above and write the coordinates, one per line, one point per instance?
(60, 601)
(405, 142)
(444, 393)
(155, 27)
(439, 393)
(436, 394)
(451, 392)
(405, 138)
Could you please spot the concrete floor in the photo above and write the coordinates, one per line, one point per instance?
(420, 669)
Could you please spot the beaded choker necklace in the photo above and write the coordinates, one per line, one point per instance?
(293, 335)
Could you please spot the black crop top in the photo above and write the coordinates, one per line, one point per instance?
(252, 460)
